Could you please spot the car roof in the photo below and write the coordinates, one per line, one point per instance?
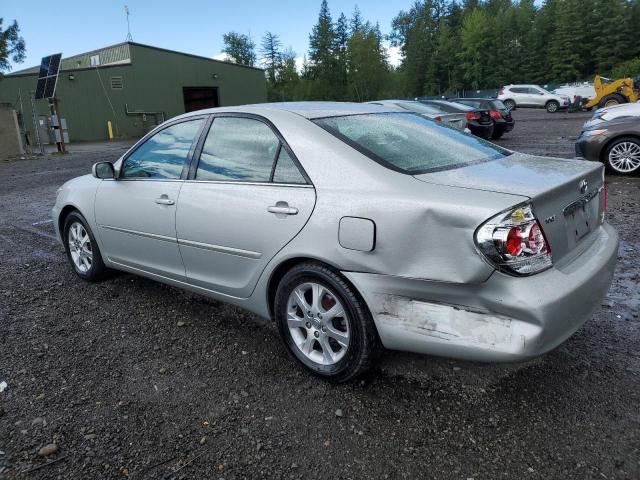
(309, 110)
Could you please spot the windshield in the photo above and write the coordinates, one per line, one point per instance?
(410, 143)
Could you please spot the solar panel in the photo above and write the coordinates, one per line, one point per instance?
(40, 87)
(48, 76)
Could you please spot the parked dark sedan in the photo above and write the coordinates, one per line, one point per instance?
(478, 120)
(615, 142)
(503, 122)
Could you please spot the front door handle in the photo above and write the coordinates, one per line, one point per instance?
(282, 208)
(164, 200)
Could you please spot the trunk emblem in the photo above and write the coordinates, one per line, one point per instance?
(584, 186)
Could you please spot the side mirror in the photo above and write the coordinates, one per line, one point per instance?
(103, 170)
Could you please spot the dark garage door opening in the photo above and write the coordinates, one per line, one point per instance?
(197, 98)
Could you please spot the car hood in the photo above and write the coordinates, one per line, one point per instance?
(516, 174)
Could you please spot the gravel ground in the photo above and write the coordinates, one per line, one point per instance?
(130, 378)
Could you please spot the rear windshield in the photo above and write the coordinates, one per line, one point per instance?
(451, 107)
(418, 107)
(498, 105)
(410, 143)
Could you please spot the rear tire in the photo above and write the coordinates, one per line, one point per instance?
(510, 104)
(612, 100)
(552, 106)
(623, 156)
(82, 249)
(324, 323)
(497, 135)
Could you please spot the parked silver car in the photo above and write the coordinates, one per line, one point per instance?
(352, 225)
(455, 120)
(532, 96)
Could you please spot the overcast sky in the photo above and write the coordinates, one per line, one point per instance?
(192, 26)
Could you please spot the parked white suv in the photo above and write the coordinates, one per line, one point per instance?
(532, 96)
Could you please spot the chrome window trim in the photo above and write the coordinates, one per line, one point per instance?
(259, 184)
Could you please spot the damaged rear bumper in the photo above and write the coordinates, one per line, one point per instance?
(503, 319)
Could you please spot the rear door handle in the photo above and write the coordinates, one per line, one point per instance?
(164, 200)
(282, 208)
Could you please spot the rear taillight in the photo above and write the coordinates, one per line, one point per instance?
(514, 242)
(472, 116)
(495, 115)
(437, 118)
(501, 91)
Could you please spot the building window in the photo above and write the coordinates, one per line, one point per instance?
(116, 83)
(95, 60)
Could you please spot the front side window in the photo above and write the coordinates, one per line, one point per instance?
(410, 143)
(164, 154)
(238, 150)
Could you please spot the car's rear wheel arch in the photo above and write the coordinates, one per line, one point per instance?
(280, 271)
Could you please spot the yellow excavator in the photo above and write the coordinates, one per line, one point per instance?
(613, 92)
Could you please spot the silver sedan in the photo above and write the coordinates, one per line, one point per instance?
(352, 226)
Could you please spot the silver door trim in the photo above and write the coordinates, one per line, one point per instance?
(238, 252)
(154, 236)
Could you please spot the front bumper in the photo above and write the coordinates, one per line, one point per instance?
(591, 147)
(503, 319)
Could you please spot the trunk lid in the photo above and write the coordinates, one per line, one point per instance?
(455, 120)
(485, 117)
(566, 195)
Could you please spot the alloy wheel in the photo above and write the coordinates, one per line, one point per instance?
(318, 323)
(80, 247)
(624, 157)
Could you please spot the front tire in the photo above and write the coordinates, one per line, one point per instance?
(623, 156)
(552, 106)
(324, 323)
(82, 249)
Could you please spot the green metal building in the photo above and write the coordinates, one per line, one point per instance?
(134, 86)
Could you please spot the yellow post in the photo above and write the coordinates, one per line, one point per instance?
(110, 130)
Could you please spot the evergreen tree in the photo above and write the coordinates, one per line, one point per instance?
(367, 65)
(356, 22)
(324, 68)
(473, 47)
(340, 49)
(271, 55)
(240, 48)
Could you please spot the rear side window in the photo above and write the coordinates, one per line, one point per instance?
(163, 155)
(410, 143)
(518, 90)
(238, 149)
(286, 170)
